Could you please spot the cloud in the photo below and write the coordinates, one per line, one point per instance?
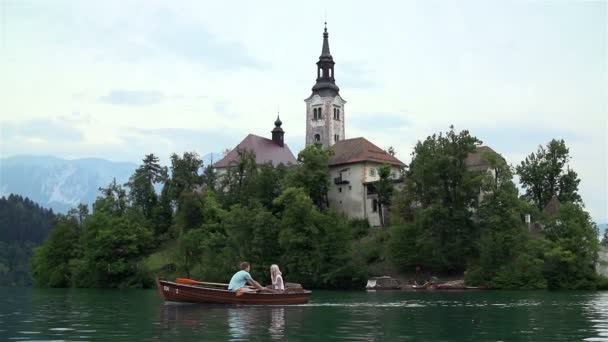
(132, 97)
(378, 121)
(354, 76)
(40, 130)
(523, 139)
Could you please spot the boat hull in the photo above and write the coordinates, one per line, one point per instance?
(174, 292)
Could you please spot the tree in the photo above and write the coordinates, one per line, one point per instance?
(51, 262)
(210, 177)
(505, 258)
(385, 187)
(141, 184)
(572, 254)
(546, 173)
(184, 173)
(240, 180)
(162, 214)
(299, 233)
(435, 209)
(113, 200)
(312, 174)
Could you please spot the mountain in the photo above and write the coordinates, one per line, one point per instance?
(58, 183)
(61, 184)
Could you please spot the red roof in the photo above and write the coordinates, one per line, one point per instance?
(266, 151)
(359, 150)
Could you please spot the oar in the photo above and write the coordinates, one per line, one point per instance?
(187, 281)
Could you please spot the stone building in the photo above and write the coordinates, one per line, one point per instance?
(353, 170)
(354, 165)
(325, 114)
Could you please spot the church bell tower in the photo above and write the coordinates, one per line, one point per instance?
(325, 112)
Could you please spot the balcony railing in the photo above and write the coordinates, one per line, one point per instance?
(340, 180)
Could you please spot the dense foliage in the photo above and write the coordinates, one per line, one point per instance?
(23, 225)
(452, 218)
(447, 218)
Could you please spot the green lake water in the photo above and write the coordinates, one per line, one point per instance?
(139, 315)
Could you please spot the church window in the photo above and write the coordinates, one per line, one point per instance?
(340, 189)
(317, 138)
(336, 137)
(315, 115)
(320, 114)
(338, 114)
(329, 72)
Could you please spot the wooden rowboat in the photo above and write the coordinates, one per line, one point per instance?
(202, 292)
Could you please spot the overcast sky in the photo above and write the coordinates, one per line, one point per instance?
(120, 79)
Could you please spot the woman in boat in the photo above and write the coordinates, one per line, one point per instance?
(276, 277)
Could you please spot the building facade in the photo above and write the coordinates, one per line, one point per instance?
(354, 173)
(325, 114)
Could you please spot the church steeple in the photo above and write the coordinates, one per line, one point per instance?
(325, 114)
(326, 82)
(278, 133)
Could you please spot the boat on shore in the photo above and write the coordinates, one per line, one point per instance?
(217, 293)
(382, 283)
(389, 283)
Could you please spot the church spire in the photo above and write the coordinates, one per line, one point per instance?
(326, 82)
(325, 51)
(278, 135)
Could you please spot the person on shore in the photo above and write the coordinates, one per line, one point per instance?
(240, 279)
(276, 277)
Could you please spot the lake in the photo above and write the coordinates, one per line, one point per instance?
(139, 315)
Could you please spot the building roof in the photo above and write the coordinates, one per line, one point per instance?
(360, 150)
(478, 160)
(266, 151)
(552, 208)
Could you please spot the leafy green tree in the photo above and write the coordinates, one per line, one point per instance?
(51, 262)
(571, 257)
(114, 247)
(252, 232)
(385, 187)
(312, 174)
(546, 173)
(185, 173)
(113, 200)
(210, 177)
(435, 211)
(141, 185)
(190, 212)
(239, 182)
(604, 241)
(504, 237)
(162, 214)
(298, 235)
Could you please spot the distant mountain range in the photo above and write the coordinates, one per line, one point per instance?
(62, 184)
(602, 228)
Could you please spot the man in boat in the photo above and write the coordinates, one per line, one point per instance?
(241, 278)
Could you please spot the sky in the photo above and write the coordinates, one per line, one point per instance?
(121, 79)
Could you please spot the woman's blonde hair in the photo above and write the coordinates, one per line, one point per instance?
(274, 272)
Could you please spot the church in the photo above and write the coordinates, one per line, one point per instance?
(355, 162)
